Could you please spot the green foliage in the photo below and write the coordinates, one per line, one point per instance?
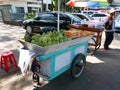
(27, 38)
(54, 3)
(29, 15)
(49, 38)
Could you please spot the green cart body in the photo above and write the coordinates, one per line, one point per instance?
(56, 63)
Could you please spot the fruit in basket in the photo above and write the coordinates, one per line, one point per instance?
(49, 38)
(85, 33)
(77, 33)
(71, 33)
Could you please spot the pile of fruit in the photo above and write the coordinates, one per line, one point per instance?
(77, 33)
(46, 39)
(54, 37)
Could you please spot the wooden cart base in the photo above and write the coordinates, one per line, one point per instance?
(95, 42)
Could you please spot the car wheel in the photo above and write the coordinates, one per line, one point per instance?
(28, 29)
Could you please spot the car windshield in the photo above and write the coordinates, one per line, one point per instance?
(88, 13)
(75, 18)
(91, 18)
(87, 17)
(99, 15)
(47, 16)
(118, 18)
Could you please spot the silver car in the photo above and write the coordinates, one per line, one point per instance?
(100, 16)
(117, 24)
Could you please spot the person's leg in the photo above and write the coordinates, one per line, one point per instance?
(108, 39)
(111, 35)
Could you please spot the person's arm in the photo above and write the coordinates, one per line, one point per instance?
(106, 20)
(109, 21)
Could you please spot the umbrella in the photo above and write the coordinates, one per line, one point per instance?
(88, 4)
(99, 1)
(81, 4)
(97, 4)
(77, 3)
(71, 3)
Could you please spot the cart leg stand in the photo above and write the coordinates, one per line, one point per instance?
(36, 78)
(36, 69)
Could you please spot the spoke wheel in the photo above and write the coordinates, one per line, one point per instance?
(78, 66)
(98, 46)
(91, 46)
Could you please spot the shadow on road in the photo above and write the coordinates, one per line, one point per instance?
(105, 55)
(5, 39)
(102, 72)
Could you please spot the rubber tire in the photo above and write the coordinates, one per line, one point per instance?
(35, 78)
(28, 29)
(98, 46)
(82, 58)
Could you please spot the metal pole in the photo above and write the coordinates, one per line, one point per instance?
(42, 6)
(38, 7)
(58, 26)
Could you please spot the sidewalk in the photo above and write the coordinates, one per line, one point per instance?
(13, 80)
(9, 35)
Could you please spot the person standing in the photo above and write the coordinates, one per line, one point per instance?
(109, 33)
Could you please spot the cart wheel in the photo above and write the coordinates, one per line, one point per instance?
(91, 47)
(36, 78)
(78, 65)
(97, 47)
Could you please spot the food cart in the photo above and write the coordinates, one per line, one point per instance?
(56, 59)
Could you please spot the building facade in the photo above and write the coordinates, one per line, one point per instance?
(12, 9)
(22, 6)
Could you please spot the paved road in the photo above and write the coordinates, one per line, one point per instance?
(102, 71)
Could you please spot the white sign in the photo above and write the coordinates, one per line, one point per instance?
(47, 1)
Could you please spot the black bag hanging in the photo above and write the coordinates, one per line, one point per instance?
(107, 26)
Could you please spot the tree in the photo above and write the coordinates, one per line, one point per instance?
(62, 4)
(54, 5)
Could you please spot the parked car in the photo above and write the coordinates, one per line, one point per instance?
(48, 22)
(88, 13)
(100, 16)
(87, 20)
(83, 16)
(117, 24)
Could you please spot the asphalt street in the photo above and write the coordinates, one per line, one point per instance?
(102, 71)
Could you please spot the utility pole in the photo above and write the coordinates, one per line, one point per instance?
(42, 5)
